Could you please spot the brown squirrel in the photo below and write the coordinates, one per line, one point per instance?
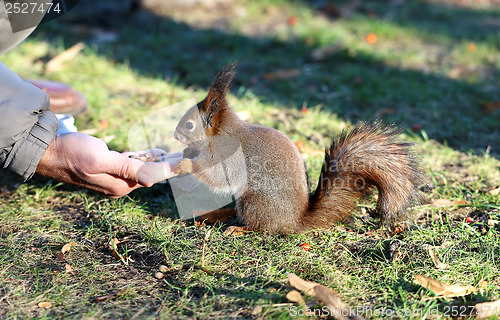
(275, 195)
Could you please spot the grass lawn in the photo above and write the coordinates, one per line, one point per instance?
(309, 69)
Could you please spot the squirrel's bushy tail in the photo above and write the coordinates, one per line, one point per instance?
(362, 158)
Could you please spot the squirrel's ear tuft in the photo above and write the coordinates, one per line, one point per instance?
(223, 79)
(216, 97)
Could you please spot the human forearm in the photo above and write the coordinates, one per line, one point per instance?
(26, 125)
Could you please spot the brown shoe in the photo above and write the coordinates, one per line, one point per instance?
(63, 98)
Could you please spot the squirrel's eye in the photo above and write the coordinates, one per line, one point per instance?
(189, 125)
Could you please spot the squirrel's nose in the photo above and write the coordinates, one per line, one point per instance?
(179, 137)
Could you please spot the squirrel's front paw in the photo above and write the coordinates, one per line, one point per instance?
(190, 153)
(184, 166)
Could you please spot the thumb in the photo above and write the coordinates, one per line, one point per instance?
(150, 173)
(129, 169)
(145, 173)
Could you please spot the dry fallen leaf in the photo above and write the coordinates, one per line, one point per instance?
(338, 309)
(487, 309)
(456, 72)
(494, 192)
(111, 295)
(45, 304)
(399, 229)
(324, 295)
(65, 249)
(310, 151)
(236, 231)
(443, 290)
(292, 21)
(257, 310)
(306, 246)
(371, 38)
(56, 63)
(490, 106)
(282, 74)
(436, 260)
(446, 203)
(483, 284)
(471, 47)
(385, 111)
(295, 296)
(113, 246)
(104, 124)
(305, 286)
(326, 52)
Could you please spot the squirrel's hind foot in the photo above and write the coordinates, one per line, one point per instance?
(236, 231)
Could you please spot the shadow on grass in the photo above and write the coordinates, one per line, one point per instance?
(479, 22)
(357, 86)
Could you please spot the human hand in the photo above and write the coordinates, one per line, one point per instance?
(86, 161)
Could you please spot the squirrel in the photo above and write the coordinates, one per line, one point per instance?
(275, 195)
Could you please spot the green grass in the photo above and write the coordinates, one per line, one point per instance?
(418, 72)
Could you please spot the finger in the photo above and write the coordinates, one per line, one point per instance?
(154, 172)
(121, 187)
(126, 189)
(132, 153)
(145, 173)
(111, 185)
(158, 152)
(174, 157)
(124, 167)
(151, 152)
